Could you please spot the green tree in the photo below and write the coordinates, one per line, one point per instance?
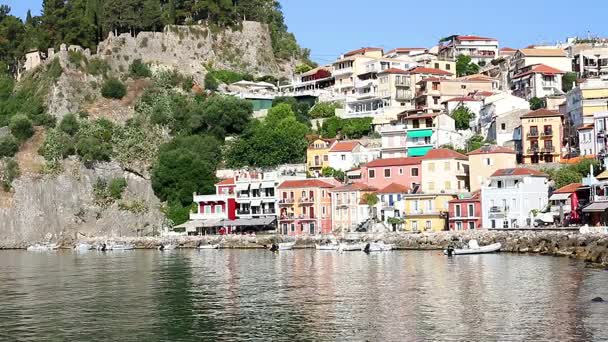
(566, 176)
(568, 81)
(152, 15)
(465, 67)
(331, 172)
(371, 199)
(113, 89)
(474, 143)
(536, 103)
(137, 69)
(300, 108)
(462, 116)
(21, 127)
(8, 146)
(222, 115)
(324, 109)
(302, 68)
(69, 124)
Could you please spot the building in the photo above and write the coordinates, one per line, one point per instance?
(256, 195)
(351, 64)
(316, 83)
(348, 208)
(542, 136)
(554, 58)
(260, 94)
(586, 99)
(390, 204)
(444, 171)
(482, 50)
(426, 212)
(600, 136)
(317, 155)
(211, 212)
(497, 105)
(465, 212)
(538, 81)
(486, 160)
(512, 196)
(305, 206)
(382, 172)
(587, 140)
(590, 60)
(505, 129)
(346, 155)
(433, 91)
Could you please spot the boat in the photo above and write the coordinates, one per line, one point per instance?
(349, 246)
(474, 248)
(210, 246)
(283, 246)
(377, 247)
(327, 246)
(120, 247)
(43, 247)
(83, 247)
(168, 247)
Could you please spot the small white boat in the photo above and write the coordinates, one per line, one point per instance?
(283, 246)
(216, 246)
(168, 247)
(474, 248)
(349, 246)
(120, 247)
(43, 247)
(327, 246)
(83, 247)
(377, 247)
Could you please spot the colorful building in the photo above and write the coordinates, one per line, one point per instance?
(348, 208)
(390, 204)
(426, 212)
(542, 136)
(482, 50)
(465, 212)
(317, 155)
(484, 161)
(305, 206)
(444, 170)
(382, 172)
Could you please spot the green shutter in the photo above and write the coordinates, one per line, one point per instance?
(418, 151)
(422, 133)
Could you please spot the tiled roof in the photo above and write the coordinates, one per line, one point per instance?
(431, 79)
(345, 146)
(355, 187)
(444, 153)
(540, 69)
(492, 149)
(484, 93)
(394, 71)
(227, 181)
(507, 49)
(570, 188)
(330, 141)
(394, 162)
(585, 127)
(474, 38)
(430, 71)
(461, 99)
(539, 113)
(306, 183)
(520, 171)
(394, 188)
(543, 52)
(361, 51)
(403, 50)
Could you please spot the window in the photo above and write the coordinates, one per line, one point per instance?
(458, 225)
(447, 66)
(435, 100)
(431, 186)
(493, 223)
(218, 209)
(415, 226)
(503, 126)
(435, 85)
(325, 157)
(499, 184)
(513, 203)
(387, 173)
(303, 194)
(471, 225)
(505, 224)
(427, 225)
(431, 167)
(436, 65)
(207, 209)
(293, 227)
(429, 205)
(371, 173)
(457, 212)
(416, 205)
(414, 172)
(446, 166)
(400, 171)
(323, 210)
(323, 193)
(343, 156)
(488, 161)
(463, 86)
(471, 212)
(312, 228)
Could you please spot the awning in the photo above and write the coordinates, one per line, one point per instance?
(242, 186)
(418, 151)
(268, 184)
(192, 225)
(420, 133)
(256, 203)
(263, 221)
(560, 197)
(597, 207)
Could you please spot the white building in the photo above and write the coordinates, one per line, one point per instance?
(482, 50)
(469, 102)
(537, 80)
(512, 196)
(496, 105)
(345, 155)
(586, 140)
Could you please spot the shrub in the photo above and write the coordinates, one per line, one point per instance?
(113, 89)
(324, 109)
(69, 124)
(137, 69)
(21, 127)
(97, 66)
(8, 146)
(9, 170)
(116, 188)
(76, 58)
(211, 83)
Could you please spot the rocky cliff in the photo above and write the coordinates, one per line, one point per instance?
(189, 48)
(63, 207)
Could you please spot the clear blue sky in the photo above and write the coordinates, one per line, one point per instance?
(331, 27)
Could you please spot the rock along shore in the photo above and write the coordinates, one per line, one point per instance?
(591, 248)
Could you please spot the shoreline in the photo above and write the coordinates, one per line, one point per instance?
(592, 248)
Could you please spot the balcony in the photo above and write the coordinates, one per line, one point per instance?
(269, 212)
(287, 201)
(399, 96)
(548, 149)
(393, 129)
(425, 212)
(547, 134)
(305, 201)
(533, 149)
(532, 134)
(601, 133)
(402, 83)
(243, 212)
(343, 71)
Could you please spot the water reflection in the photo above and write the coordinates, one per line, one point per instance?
(297, 295)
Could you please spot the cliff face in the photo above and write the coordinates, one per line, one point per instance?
(188, 48)
(63, 207)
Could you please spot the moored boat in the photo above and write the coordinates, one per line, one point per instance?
(377, 247)
(83, 247)
(474, 248)
(286, 245)
(349, 246)
(43, 247)
(327, 246)
(210, 246)
(120, 247)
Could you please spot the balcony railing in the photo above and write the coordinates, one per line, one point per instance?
(533, 149)
(532, 134)
(269, 212)
(548, 149)
(243, 212)
(291, 217)
(601, 132)
(307, 200)
(499, 209)
(547, 134)
(287, 201)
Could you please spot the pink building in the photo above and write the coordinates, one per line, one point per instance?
(382, 172)
(465, 212)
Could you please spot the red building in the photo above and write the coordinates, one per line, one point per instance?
(465, 212)
(381, 173)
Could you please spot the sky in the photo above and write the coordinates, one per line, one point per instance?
(332, 27)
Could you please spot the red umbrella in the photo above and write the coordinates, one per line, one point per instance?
(574, 207)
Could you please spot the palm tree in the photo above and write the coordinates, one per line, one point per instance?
(371, 199)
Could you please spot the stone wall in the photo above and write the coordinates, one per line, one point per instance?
(63, 207)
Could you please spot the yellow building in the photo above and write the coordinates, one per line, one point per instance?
(317, 155)
(542, 136)
(587, 99)
(426, 212)
(351, 64)
(444, 170)
(486, 160)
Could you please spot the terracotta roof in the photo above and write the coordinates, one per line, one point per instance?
(492, 149)
(603, 175)
(585, 127)
(394, 71)
(576, 160)
(404, 115)
(227, 181)
(520, 171)
(483, 93)
(507, 49)
(431, 79)
(444, 153)
(306, 183)
(400, 50)
(461, 99)
(473, 38)
(394, 162)
(430, 71)
(468, 197)
(330, 141)
(362, 51)
(345, 146)
(570, 188)
(394, 188)
(543, 52)
(355, 186)
(539, 113)
(540, 69)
